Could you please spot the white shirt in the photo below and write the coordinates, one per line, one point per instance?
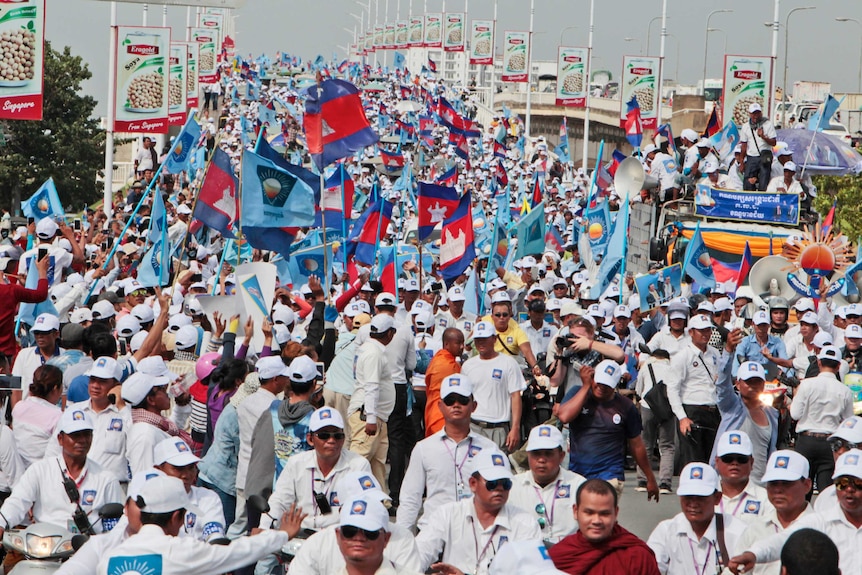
(41, 487)
(207, 519)
(374, 388)
(644, 383)
(763, 527)
(494, 380)
(678, 551)
(248, 412)
(540, 338)
(692, 382)
(152, 551)
(85, 561)
(110, 448)
(749, 505)
(401, 354)
(142, 439)
(455, 530)
(558, 497)
(821, 403)
(302, 477)
(144, 158)
(433, 344)
(439, 468)
(320, 555)
(61, 260)
(11, 464)
(665, 340)
(28, 361)
(35, 432)
(756, 144)
(828, 499)
(833, 523)
(777, 185)
(465, 323)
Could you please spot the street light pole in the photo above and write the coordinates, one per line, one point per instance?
(723, 32)
(859, 89)
(676, 62)
(638, 40)
(530, 68)
(706, 46)
(588, 80)
(786, 44)
(649, 33)
(661, 61)
(563, 30)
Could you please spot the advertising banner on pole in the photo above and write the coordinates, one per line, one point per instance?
(379, 38)
(401, 32)
(214, 22)
(434, 30)
(516, 52)
(389, 36)
(416, 35)
(453, 39)
(199, 3)
(178, 84)
(746, 81)
(142, 75)
(572, 84)
(369, 43)
(22, 31)
(192, 82)
(482, 42)
(640, 79)
(207, 40)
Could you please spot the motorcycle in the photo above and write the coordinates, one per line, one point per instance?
(291, 548)
(45, 546)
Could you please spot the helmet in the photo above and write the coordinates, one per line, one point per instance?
(778, 303)
(206, 364)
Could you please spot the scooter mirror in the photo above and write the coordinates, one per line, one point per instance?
(258, 503)
(79, 540)
(111, 511)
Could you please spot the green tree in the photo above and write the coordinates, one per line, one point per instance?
(67, 144)
(846, 193)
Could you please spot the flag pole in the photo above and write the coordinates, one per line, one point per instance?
(488, 265)
(344, 215)
(595, 173)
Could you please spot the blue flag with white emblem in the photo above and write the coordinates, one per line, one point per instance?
(272, 197)
(44, 203)
(697, 263)
(154, 267)
(184, 149)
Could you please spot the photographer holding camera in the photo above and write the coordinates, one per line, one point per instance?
(756, 139)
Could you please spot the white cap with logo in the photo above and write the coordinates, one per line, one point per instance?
(365, 514)
(785, 465)
(163, 494)
(175, 451)
(850, 463)
(75, 420)
(491, 465)
(698, 479)
(850, 430)
(734, 442)
(608, 373)
(325, 417)
(544, 437)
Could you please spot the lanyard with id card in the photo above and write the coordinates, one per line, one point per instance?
(462, 490)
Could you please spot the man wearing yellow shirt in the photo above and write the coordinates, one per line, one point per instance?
(511, 339)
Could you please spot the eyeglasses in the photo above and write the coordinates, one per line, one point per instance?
(327, 435)
(836, 444)
(506, 484)
(454, 398)
(501, 315)
(735, 458)
(350, 532)
(843, 483)
(139, 292)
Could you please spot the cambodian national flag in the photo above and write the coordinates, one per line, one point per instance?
(335, 124)
(553, 239)
(343, 66)
(392, 161)
(536, 198)
(501, 176)
(618, 158)
(386, 265)
(499, 150)
(217, 200)
(426, 130)
(462, 148)
(432, 65)
(633, 126)
(406, 91)
(336, 200)
(449, 177)
(666, 131)
(456, 248)
(435, 204)
(744, 266)
(368, 230)
(827, 221)
(713, 125)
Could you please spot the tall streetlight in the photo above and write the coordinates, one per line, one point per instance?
(640, 44)
(706, 44)
(649, 33)
(676, 62)
(589, 78)
(786, 44)
(661, 62)
(860, 48)
(710, 30)
(563, 30)
(530, 68)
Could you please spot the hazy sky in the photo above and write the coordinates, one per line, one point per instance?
(820, 48)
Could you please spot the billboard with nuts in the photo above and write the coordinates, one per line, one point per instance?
(416, 31)
(746, 81)
(22, 39)
(572, 82)
(178, 84)
(516, 56)
(207, 40)
(434, 30)
(640, 80)
(192, 84)
(482, 42)
(142, 77)
(453, 39)
(401, 33)
(389, 36)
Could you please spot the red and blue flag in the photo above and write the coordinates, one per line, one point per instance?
(368, 230)
(432, 65)
(617, 159)
(449, 177)
(392, 161)
(435, 204)
(217, 199)
(499, 150)
(744, 265)
(633, 125)
(713, 125)
(456, 248)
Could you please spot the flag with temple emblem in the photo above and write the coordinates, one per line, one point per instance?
(336, 199)
(536, 197)
(501, 176)
(435, 204)
(457, 250)
(499, 150)
(432, 65)
(713, 125)
(334, 123)
(392, 161)
(449, 177)
(368, 230)
(426, 130)
(616, 160)
(217, 199)
(633, 124)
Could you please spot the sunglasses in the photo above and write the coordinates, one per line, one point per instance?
(735, 458)
(350, 532)
(454, 398)
(327, 435)
(506, 484)
(501, 315)
(540, 510)
(140, 292)
(843, 483)
(836, 445)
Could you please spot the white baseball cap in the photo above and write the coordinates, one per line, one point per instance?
(755, 107)
(303, 369)
(283, 315)
(484, 329)
(81, 315)
(706, 306)
(700, 322)
(104, 368)
(270, 367)
(45, 323)
(608, 373)
(622, 311)
(785, 465)
(734, 441)
(809, 317)
(703, 143)
(829, 352)
(424, 320)
(853, 331)
(789, 166)
(491, 465)
(698, 479)
(411, 285)
(137, 482)
(155, 365)
(186, 337)
(501, 296)
(804, 304)
(385, 299)
(365, 513)
(850, 463)
(381, 323)
(163, 494)
(419, 306)
(325, 417)
(75, 420)
(175, 451)
(822, 338)
(128, 325)
(46, 228)
(761, 317)
(177, 321)
(456, 383)
(722, 304)
(456, 293)
(544, 437)
(750, 369)
(139, 384)
(849, 430)
(103, 309)
(143, 313)
(359, 485)
(519, 557)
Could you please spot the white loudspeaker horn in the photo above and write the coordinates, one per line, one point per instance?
(629, 178)
(839, 299)
(768, 278)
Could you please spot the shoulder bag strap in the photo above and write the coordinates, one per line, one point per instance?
(500, 339)
(722, 546)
